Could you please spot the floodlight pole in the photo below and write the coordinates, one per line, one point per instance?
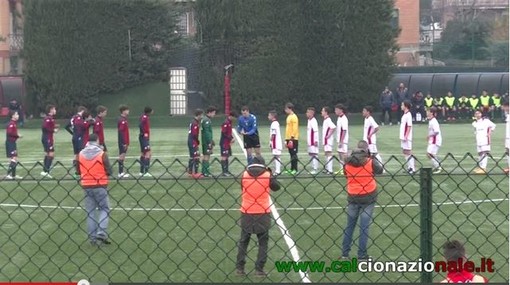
(228, 75)
(129, 44)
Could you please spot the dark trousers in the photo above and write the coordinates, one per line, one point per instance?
(293, 155)
(419, 110)
(259, 225)
(263, 240)
(383, 115)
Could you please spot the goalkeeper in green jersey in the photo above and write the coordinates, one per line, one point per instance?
(207, 140)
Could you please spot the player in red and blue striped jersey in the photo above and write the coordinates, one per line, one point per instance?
(226, 140)
(88, 122)
(193, 143)
(48, 129)
(76, 127)
(144, 139)
(99, 125)
(123, 138)
(12, 136)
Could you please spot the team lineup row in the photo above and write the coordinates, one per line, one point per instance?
(79, 127)
(201, 132)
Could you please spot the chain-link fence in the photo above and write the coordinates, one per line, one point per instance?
(174, 228)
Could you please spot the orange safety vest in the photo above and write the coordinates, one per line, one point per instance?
(92, 171)
(360, 180)
(255, 195)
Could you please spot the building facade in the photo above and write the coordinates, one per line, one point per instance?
(11, 19)
(408, 14)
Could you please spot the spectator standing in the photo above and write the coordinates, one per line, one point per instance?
(401, 94)
(386, 101)
(360, 170)
(256, 183)
(94, 169)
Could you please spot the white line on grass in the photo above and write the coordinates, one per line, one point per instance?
(149, 209)
(283, 229)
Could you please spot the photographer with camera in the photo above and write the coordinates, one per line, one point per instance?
(256, 183)
(360, 170)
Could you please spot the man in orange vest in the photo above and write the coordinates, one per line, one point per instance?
(94, 169)
(360, 170)
(256, 182)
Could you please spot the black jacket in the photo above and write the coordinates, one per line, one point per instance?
(255, 170)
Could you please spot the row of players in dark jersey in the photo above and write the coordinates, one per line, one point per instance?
(79, 127)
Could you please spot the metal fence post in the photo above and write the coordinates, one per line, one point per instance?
(426, 220)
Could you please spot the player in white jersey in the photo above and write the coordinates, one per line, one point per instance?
(342, 137)
(483, 129)
(434, 140)
(507, 135)
(406, 136)
(312, 139)
(275, 141)
(328, 131)
(370, 128)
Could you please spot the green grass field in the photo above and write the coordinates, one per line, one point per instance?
(175, 229)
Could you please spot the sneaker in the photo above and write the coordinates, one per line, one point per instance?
(437, 170)
(100, 241)
(506, 170)
(391, 124)
(124, 175)
(197, 175)
(411, 171)
(147, 175)
(340, 172)
(9, 177)
(260, 274)
(313, 172)
(46, 174)
(240, 272)
(18, 177)
(226, 174)
(365, 258)
(293, 172)
(344, 258)
(328, 172)
(76, 176)
(480, 171)
(276, 173)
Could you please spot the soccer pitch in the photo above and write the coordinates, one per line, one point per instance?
(175, 229)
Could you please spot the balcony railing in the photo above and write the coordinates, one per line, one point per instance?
(15, 42)
(477, 4)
